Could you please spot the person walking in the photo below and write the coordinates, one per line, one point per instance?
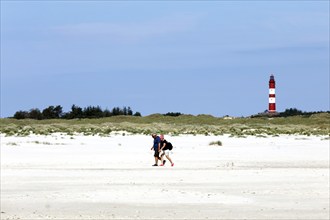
(156, 148)
(165, 148)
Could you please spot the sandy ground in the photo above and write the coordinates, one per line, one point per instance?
(79, 177)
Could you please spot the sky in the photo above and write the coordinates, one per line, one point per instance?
(193, 57)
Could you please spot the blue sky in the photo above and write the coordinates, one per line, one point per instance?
(194, 57)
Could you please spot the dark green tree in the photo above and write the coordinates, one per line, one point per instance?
(137, 114)
(129, 111)
(291, 112)
(116, 111)
(107, 113)
(76, 112)
(125, 110)
(93, 112)
(21, 115)
(174, 114)
(35, 114)
(52, 112)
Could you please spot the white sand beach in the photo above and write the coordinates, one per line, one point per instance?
(92, 177)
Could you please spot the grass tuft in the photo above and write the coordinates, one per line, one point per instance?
(218, 143)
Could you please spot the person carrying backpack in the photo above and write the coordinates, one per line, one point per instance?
(166, 147)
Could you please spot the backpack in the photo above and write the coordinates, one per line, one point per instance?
(170, 146)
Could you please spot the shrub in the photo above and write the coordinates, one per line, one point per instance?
(219, 143)
(173, 114)
(21, 115)
(138, 114)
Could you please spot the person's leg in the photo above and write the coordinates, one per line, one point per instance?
(167, 153)
(162, 159)
(156, 155)
(168, 157)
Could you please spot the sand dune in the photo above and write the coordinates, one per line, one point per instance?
(91, 177)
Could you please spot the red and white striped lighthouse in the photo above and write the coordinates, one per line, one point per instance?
(272, 104)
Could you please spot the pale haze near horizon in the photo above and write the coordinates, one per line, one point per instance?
(192, 57)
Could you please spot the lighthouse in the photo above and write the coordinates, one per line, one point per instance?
(272, 103)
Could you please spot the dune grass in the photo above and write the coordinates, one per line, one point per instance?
(318, 124)
(218, 143)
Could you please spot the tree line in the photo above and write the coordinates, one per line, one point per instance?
(56, 112)
(288, 112)
(294, 111)
(173, 114)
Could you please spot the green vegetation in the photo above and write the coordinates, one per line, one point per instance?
(219, 143)
(174, 114)
(46, 143)
(56, 112)
(12, 144)
(315, 124)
